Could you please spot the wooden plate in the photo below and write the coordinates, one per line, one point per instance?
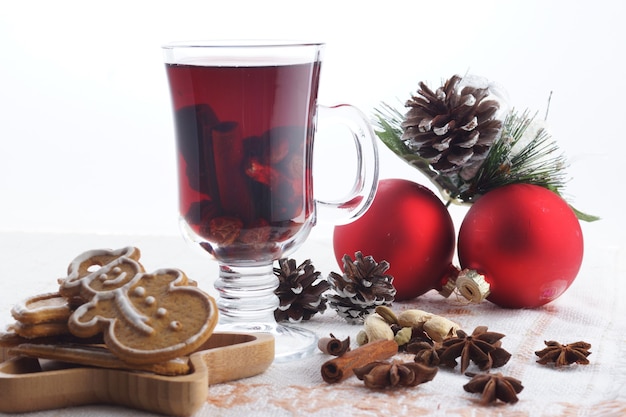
(29, 384)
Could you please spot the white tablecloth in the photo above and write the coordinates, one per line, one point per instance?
(591, 310)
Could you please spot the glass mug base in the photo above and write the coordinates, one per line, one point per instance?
(247, 302)
(290, 342)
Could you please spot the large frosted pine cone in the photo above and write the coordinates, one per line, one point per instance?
(453, 127)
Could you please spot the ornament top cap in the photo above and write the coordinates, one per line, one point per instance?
(472, 285)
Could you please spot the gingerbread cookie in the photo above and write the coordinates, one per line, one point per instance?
(144, 318)
(100, 270)
(42, 308)
(41, 315)
(39, 330)
(97, 355)
(10, 338)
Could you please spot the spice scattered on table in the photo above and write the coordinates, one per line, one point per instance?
(331, 345)
(563, 355)
(481, 347)
(381, 374)
(494, 387)
(425, 352)
(342, 367)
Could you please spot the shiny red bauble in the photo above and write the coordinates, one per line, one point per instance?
(408, 226)
(526, 242)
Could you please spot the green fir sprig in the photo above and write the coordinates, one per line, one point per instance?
(509, 161)
(537, 162)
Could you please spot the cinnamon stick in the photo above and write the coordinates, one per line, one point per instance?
(340, 368)
(333, 346)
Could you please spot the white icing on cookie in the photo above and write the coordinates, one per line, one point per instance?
(43, 304)
(127, 309)
(74, 279)
(115, 281)
(139, 292)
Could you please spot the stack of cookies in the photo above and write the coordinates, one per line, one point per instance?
(110, 313)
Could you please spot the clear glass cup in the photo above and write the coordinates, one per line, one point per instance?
(245, 116)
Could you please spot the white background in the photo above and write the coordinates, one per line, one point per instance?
(86, 136)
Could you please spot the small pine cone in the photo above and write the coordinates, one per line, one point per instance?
(452, 128)
(300, 297)
(362, 287)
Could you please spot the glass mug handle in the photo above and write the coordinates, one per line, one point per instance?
(356, 202)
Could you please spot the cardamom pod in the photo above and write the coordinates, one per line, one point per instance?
(413, 318)
(403, 336)
(377, 328)
(439, 328)
(387, 314)
(361, 338)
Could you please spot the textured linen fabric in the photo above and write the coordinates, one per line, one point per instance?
(592, 310)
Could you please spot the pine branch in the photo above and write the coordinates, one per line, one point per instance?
(584, 216)
(390, 123)
(510, 162)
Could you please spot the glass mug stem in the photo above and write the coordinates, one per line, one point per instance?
(245, 116)
(246, 294)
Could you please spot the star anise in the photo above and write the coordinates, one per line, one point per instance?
(563, 355)
(481, 347)
(494, 387)
(381, 374)
(425, 352)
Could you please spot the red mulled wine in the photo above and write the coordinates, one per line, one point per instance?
(244, 138)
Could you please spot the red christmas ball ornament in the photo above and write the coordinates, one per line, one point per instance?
(524, 241)
(408, 226)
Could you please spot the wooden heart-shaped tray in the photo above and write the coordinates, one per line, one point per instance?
(30, 384)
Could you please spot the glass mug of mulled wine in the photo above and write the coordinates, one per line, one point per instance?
(245, 116)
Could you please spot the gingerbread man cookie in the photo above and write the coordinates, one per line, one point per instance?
(100, 270)
(144, 318)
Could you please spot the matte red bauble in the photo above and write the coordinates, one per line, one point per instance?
(408, 226)
(525, 241)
